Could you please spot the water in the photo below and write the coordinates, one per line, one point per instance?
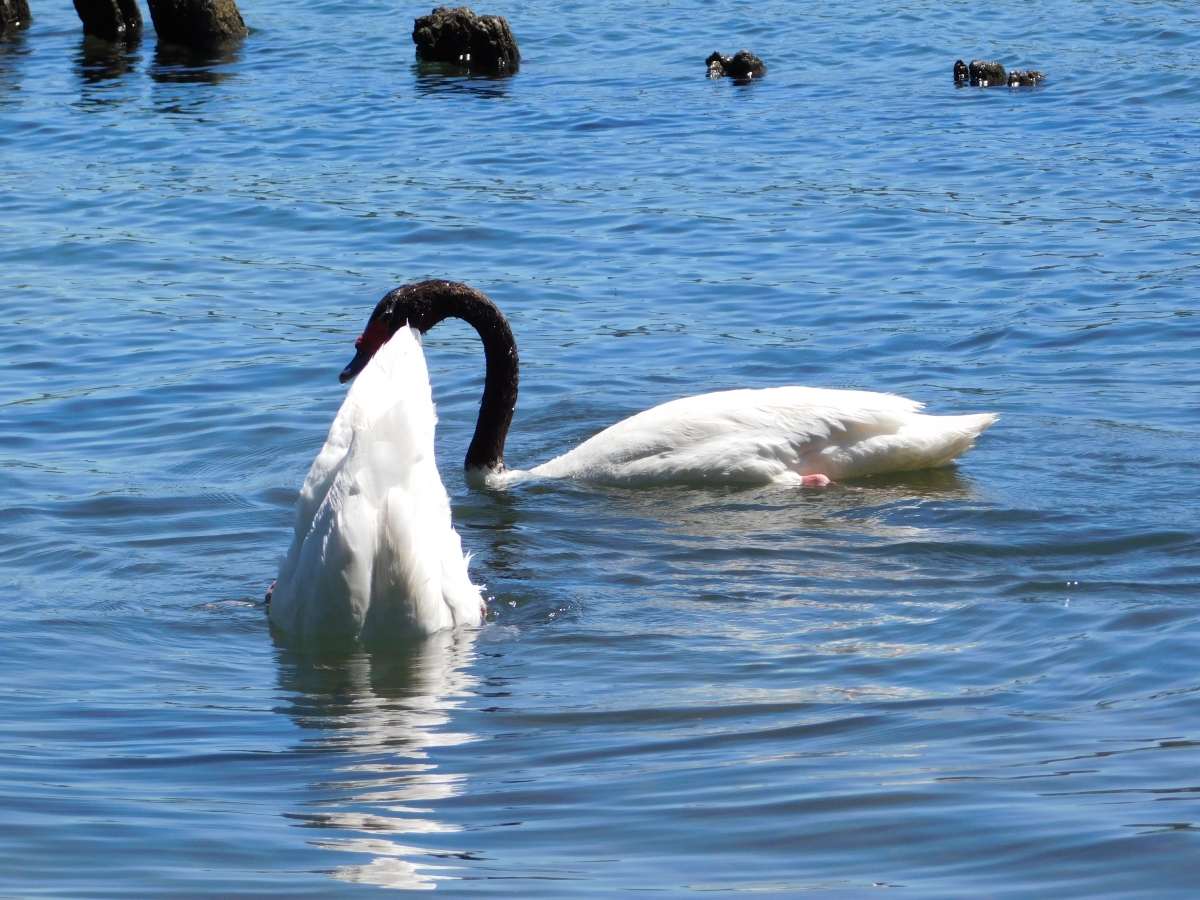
(978, 681)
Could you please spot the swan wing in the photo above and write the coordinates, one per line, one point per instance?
(777, 434)
(375, 554)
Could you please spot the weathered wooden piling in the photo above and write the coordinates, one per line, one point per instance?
(196, 23)
(14, 14)
(458, 36)
(112, 20)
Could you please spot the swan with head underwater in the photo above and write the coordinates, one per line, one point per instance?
(375, 552)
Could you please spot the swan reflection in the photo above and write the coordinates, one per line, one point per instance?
(383, 712)
(885, 507)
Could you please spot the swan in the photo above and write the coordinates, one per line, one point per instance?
(374, 555)
(790, 435)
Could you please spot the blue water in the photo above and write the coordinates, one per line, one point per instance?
(979, 681)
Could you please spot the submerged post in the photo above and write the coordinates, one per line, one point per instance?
(480, 43)
(112, 20)
(14, 14)
(197, 23)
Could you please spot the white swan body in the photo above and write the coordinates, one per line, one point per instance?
(773, 435)
(374, 554)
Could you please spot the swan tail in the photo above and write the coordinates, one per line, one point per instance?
(949, 437)
(922, 442)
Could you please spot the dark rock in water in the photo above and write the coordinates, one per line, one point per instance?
(990, 74)
(196, 23)
(1028, 78)
(14, 14)
(743, 65)
(112, 20)
(987, 74)
(458, 36)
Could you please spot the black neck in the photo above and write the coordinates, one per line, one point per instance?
(423, 305)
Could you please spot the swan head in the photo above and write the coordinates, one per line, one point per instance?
(393, 312)
(421, 306)
(377, 333)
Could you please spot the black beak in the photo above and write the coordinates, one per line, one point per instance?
(356, 365)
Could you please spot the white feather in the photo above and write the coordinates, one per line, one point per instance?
(759, 436)
(375, 554)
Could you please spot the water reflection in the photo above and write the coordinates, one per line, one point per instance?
(444, 78)
(380, 712)
(100, 60)
(13, 46)
(884, 506)
(183, 65)
(492, 521)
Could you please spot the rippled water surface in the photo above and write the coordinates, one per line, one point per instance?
(976, 681)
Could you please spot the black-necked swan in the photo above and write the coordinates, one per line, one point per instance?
(374, 551)
(794, 435)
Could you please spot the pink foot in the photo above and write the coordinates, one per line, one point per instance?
(814, 480)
